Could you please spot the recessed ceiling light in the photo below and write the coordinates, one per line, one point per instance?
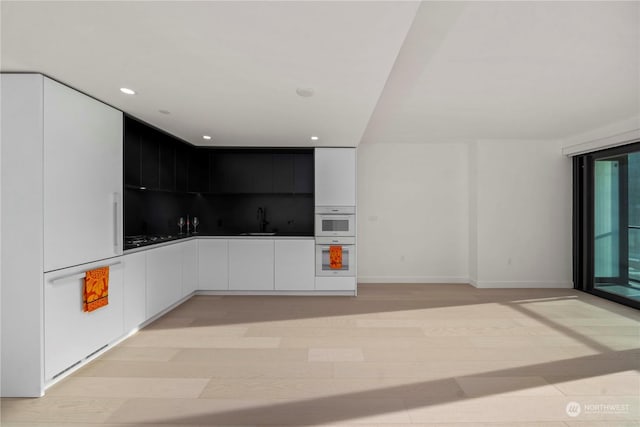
(127, 91)
(314, 138)
(206, 137)
(164, 111)
(305, 92)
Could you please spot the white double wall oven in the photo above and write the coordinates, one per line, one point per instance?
(335, 228)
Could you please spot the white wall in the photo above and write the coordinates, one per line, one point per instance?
(490, 213)
(413, 213)
(523, 196)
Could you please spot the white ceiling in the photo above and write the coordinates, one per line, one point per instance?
(381, 71)
(512, 70)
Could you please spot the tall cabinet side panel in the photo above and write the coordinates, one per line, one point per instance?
(22, 247)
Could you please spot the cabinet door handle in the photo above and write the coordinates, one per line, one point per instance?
(77, 276)
(116, 222)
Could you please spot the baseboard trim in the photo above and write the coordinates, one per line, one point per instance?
(279, 293)
(412, 279)
(489, 284)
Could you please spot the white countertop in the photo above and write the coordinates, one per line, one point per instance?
(231, 237)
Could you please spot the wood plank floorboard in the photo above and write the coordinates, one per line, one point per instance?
(446, 355)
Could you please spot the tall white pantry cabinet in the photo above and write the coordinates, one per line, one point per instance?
(335, 185)
(61, 207)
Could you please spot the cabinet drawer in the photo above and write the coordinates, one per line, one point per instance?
(335, 283)
(70, 334)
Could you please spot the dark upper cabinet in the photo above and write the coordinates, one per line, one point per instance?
(214, 182)
(303, 173)
(166, 163)
(198, 177)
(150, 156)
(182, 167)
(216, 179)
(262, 172)
(157, 161)
(230, 173)
(244, 172)
(131, 152)
(283, 173)
(153, 159)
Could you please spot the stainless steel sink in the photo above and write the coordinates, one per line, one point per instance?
(257, 234)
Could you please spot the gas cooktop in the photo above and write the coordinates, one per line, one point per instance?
(142, 240)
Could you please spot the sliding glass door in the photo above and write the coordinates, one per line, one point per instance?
(634, 220)
(607, 223)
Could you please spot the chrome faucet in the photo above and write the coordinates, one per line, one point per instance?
(262, 220)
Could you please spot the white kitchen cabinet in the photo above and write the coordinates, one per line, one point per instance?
(251, 264)
(189, 267)
(336, 283)
(82, 178)
(70, 334)
(335, 176)
(135, 290)
(164, 278)
(295, 265)
(213, 264)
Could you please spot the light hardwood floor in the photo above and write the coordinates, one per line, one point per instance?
(398, 354)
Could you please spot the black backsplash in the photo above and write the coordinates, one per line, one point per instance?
(232, 214)
(149, 212)
(154, 212)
